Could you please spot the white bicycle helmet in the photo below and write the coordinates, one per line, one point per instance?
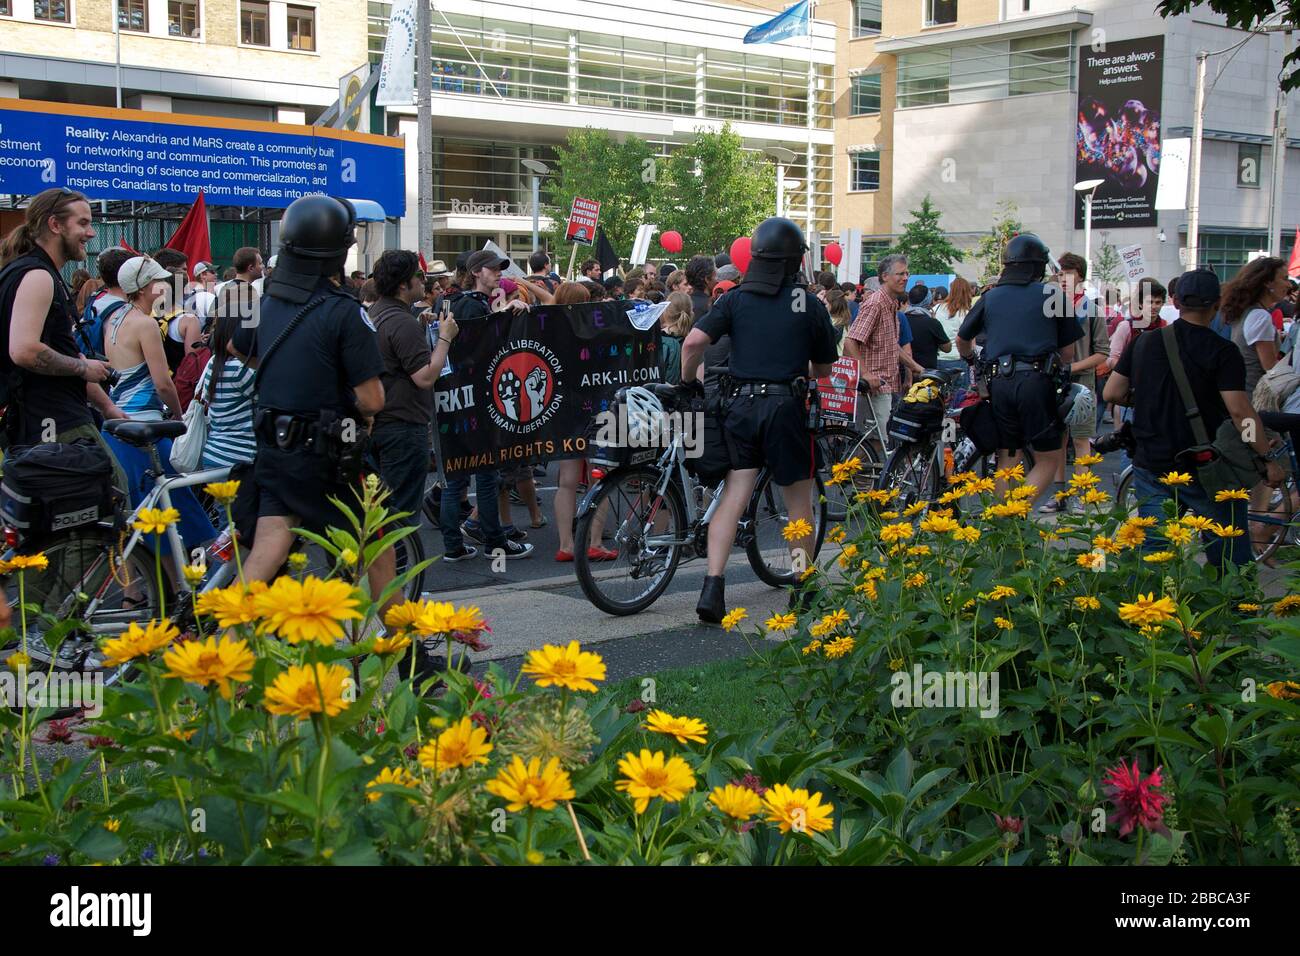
(644, 412)
(1078, 405)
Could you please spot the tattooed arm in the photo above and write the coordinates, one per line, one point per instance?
(31, 305)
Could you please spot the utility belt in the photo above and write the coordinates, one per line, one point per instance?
(343, 440)
(738, 388)
(1010, 365)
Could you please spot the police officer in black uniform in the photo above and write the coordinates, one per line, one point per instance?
(1029, 337)
(780, 335)
(317, 384)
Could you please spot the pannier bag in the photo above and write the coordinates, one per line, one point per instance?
(54, 487)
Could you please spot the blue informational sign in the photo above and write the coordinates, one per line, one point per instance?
(165, 157)
(931, 281)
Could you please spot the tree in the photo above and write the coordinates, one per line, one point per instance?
(989, 250)
(618, 175)
(1247, 15)
(1107, 268)
(712, 190)
(927, 249)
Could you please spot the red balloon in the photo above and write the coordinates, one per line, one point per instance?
(671, 241)
(740, 254)
(834, 254)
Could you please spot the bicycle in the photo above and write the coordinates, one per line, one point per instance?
(660, 514)
(840, 441)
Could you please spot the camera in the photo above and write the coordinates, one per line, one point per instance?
(1119, 440)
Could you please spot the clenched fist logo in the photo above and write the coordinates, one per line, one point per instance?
(508, 388)
(535, 385)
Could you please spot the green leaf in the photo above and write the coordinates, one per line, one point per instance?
(100, 844)
(974, 854)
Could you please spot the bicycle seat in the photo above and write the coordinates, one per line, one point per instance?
(941, 375)
(1280, 421)
(143, 433)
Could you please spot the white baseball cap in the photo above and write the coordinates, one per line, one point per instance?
(138, 272)
(201, 267)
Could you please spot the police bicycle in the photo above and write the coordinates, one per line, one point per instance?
(659, 513)
(98, 581)
(842, 441)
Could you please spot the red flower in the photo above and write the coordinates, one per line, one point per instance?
(412, 751)
(94, 743)
(1009, 824)
(635, 707)
(1136, 801)
(750, 781)
(58, 731)
(470, 639)
(484, 689)
(380, 727)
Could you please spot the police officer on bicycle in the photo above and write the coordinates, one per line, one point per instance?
(1029, 338)
(780, 336)
(317, 385)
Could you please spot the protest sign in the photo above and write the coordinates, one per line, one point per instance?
(582, 221)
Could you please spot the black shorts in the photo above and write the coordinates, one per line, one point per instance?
(1024, 407)
(300, 484)
(771, 430)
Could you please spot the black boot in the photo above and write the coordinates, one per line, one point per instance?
(713, 604)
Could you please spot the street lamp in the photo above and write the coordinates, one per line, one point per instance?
(784, 157)
(538, 169)
(1089, 188)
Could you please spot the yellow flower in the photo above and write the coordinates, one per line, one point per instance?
(1088, 460)
(307, 610)
(875, 574)
(531, 785)
(739, 803)
(812, 647)
(295, 694)
(112, 824)
(978, 486)
(1015, 473)
(949, 496)
(1094, 497)
(568, 667)
(867, 587)
(1287, 606)
(396, 776)
(1086, 602)
(897, 663)
(940, 524)
(918, 551)
(1148, 610)
(347, 557)
(391, 644)
(401, 616)
(233, 605)
(649, 775)
(1248, 606)
(1000, 592)
(829, 623)
(797, 810)
(838, 647)
(796, 529)
(889, 515)
(843, 471)
(1109, 545)
(138, 642)
(1175, 478)
(194, 573)
(535, 857)
(1159, 557)
(962, 477)
(223, 491)
(181, 733)
(1003, 623)
(1176, 533)
(1063, 495)
(683, 728)
(1082, 480)
(1227, 531)
(1197, 522)
(780, 622)
(915, 509)
(733, 617)
(915, 581)
(1058, 582)
(211, 662)
(836, 534)
(1142, 522)
(882, 496)
(18, 661)
(1092, 560)
(847, 555)
(1011, 509)
(969, 534)
(1235, 494)
(1024, 491)
(297, 561)
(891, 533)
(1283, 690)
(156, 520)
(1130, 535)
(460, 745)
(25, 562)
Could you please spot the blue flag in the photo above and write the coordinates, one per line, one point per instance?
(790, 23)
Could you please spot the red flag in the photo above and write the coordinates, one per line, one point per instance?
(124, 245)
(191, 236)
(424, 266)
(1293, 267)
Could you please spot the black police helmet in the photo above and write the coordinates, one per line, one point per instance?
(318, 227)
(1026, 248)
(777, 238)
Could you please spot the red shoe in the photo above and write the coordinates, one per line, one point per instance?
(563, 556)
(601, 554)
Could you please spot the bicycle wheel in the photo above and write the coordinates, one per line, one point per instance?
(1270, 527)
(839, 443)
(765, 545)
(649, 533)
(408, 553)
(912, 470)
(84, 567)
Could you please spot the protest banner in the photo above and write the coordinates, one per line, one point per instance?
(583, 218)
(839, 391)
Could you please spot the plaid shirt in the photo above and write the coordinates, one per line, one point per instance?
(876, 331)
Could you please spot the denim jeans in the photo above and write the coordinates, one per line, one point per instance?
(485, 487)
(1151, 495)
(401, 450)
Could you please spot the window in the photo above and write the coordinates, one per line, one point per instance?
(254, 20)
(1227, 252)
(866, 95)
(873, 250)
(866, 18)
(133, 15)
(183, 18)
(1041, 64)
(1249, 157)
(923, 78)
(5, 9)
(991, 70)
(940, 11)
(53, 11)
(866, 171)
(302, 28)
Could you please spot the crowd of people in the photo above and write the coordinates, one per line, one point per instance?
(146, 336)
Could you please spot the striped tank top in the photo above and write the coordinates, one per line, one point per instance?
(230, 416)
(134, 393)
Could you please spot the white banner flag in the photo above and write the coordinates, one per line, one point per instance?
(397, 72)
(1171, 187)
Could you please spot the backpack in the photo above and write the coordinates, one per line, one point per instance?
(188, 373)
(54, 487)
(90, 330)
(1277, 385)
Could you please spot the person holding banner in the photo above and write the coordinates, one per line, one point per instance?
(780, 336)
